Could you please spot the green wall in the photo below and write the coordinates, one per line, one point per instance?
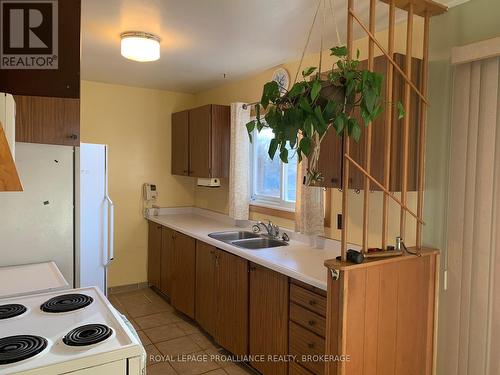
(467, 23)
(471, 22)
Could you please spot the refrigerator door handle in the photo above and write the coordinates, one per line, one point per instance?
(110, 230)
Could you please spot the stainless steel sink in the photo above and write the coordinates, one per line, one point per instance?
(233, 236)
(247, 240)
(258, 243)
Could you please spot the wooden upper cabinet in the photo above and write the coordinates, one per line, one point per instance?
(203, 134)
(232, 302)
(184, 274)
(200, 142)
(46, 120)
(330, 162)
(268, 318)
(206, 298)
(154, 254)
(180, 143)
(166, 260)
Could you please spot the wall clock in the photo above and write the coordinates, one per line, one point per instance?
(282, 78)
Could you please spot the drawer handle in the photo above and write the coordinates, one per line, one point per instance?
(312, 302)
(310, 345)
(311, 323)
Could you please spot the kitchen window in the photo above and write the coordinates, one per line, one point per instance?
(273, 183)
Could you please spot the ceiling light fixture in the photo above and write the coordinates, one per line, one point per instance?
(140, 46)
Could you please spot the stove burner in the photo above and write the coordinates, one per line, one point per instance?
(87, 335)
(12, 310)
(66, 302)
(17, 348)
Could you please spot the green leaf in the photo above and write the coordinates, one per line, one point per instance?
(316, 88)
(296, 90)
(284, 155)
(273, 146)
(270, 93)
(304, 104)
(339, 123)
(357, 54)
(250, 126)
(260, 125)
(354, 129)
(308, 71)
(338, 51)
(401, 111)
(305, 145)
(329, 110)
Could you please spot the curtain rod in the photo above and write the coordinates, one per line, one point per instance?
(246, 105)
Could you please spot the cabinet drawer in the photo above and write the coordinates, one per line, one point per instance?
(308, 299)
(304, 344)
(307, 319)
(296, 369)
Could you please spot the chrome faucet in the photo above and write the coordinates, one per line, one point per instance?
(273, 231)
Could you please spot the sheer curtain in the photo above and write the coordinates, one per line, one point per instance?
(239, 172)
(471, 304)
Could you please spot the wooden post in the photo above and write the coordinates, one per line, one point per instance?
(422, 131)
(345, 162)
(406, 122)
(388, 124)
(368, 138)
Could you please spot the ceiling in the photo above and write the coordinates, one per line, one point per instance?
(205, 42)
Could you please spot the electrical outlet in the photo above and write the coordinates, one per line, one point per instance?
(339, 221)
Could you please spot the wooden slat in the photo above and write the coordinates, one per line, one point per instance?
(422, 131)
(9, 178)
(386, 192)
(388, 124)
(345, 163)
(406, 121)
(421, 7)
(368, 138)
(391, 60)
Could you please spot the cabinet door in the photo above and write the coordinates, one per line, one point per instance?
(154, 254)
(268, 318)
(220, 138)
(232, 303)
(330, 160)
(200, 120)
(180, 143)
(167, 260)
(206, 310)
(47, 120)
(184, 274)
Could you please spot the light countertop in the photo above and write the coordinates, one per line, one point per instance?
(298, 260)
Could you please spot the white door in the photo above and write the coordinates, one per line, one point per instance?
(94, 214)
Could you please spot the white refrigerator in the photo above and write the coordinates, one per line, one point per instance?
(37, 224)
(94, 217)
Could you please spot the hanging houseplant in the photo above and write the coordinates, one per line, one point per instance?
(301, 117)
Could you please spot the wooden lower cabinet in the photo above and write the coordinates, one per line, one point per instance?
(232, 303)
(206, 308)
(268, 318)
(184, 274)
(382, 314)
(154, 254)
(166, 260)
(222, 297)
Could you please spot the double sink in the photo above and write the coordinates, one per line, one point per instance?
(247, 240)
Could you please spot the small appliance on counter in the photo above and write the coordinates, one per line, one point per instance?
(71, 331)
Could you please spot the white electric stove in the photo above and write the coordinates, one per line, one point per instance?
(73, 331)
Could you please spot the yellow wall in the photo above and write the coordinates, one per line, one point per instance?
(250, 90)
(135, 123)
